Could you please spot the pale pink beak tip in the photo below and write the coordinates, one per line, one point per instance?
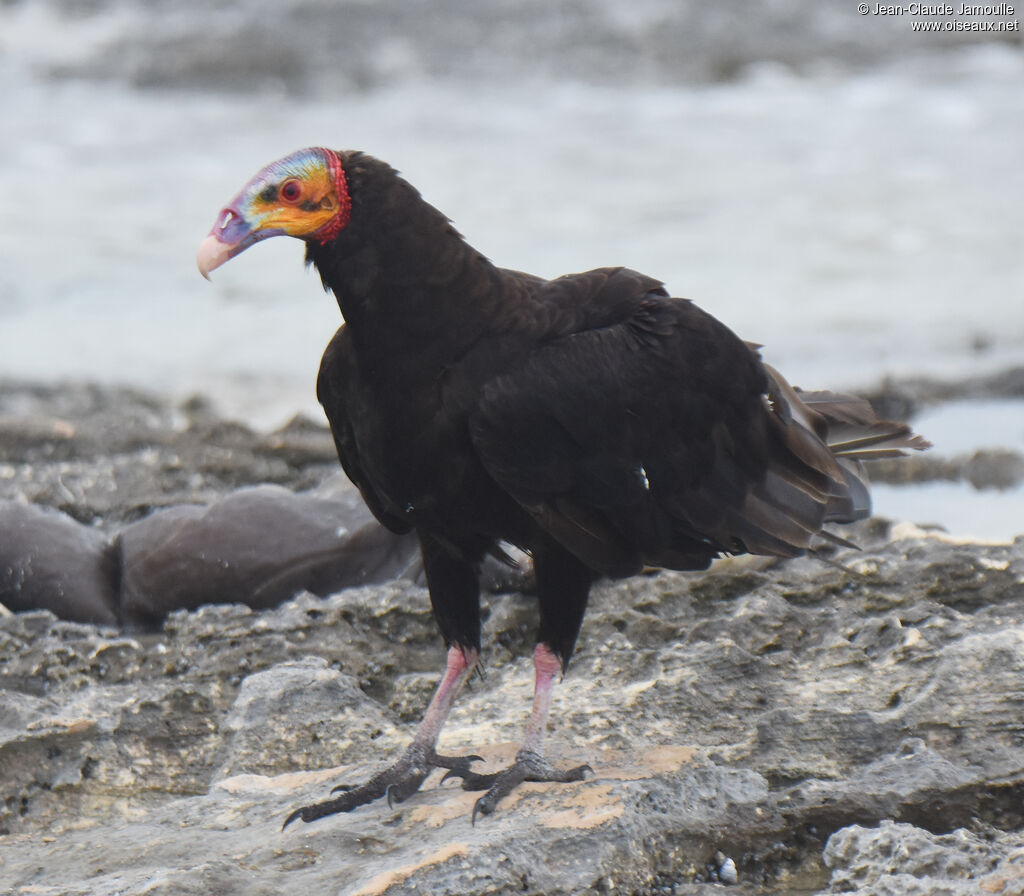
(212, 254)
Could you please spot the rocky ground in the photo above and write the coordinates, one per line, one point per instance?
(845, 724)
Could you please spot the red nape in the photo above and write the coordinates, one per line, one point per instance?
(333, 227)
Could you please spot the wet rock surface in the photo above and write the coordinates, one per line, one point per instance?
(819, 727)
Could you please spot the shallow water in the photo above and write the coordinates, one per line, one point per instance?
(966, 426)
(859, 224)
(959, 428)
(956, 507)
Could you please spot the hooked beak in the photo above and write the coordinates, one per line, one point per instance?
(231, 235)
(212, 254)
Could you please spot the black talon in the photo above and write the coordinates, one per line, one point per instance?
(343, 788)
(318, 810)
(353, 798)
(296, 814)
(452, 773)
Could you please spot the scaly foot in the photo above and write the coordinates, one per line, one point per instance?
(397, 783)
(529, 766)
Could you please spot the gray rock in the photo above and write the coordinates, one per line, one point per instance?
(903, 860)
(844, 727)
(168, 485)
(109, 456)
(753, 711)
(50, 562)
(256, 741)
(258, 546)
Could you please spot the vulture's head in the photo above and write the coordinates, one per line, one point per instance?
(304, 195)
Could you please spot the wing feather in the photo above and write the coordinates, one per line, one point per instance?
(654, 436)
(333, 386)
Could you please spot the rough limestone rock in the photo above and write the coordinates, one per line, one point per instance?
(903, 860)
(854, 726)
(848, 726)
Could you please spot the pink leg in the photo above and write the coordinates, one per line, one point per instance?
(404, 778)
(461, 663)
(530, 764)
(545, 667)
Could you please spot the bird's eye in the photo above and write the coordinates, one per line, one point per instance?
(291, 191)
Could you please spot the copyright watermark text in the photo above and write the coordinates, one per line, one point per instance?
(949, 16)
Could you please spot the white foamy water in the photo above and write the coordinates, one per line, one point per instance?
(858, 225)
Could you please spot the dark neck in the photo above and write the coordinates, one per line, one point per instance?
(400, 272)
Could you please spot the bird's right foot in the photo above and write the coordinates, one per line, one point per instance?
(397, 783)
(529, 766)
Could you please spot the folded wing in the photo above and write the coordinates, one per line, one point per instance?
(659, 438)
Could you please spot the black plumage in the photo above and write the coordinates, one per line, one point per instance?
(593, 420)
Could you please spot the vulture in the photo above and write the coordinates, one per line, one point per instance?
(594, 421)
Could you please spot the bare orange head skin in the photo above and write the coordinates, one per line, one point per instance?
(304, 195)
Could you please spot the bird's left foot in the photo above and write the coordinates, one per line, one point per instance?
(396, 783)
(529, 766)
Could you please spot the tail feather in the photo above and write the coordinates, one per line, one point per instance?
(827, 435)
(880, 439)
(838, 407)
(852, 427)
